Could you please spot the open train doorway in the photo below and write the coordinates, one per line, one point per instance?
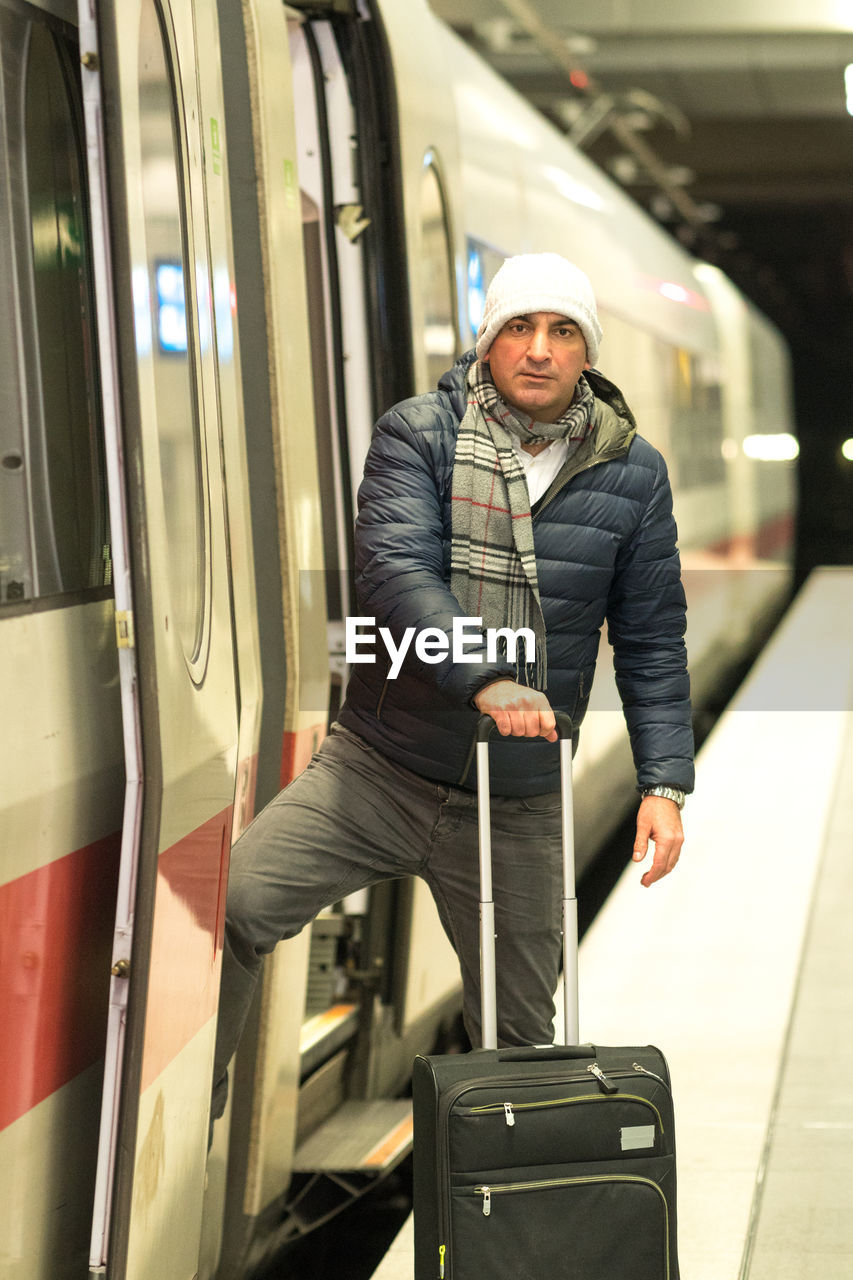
(352, 944)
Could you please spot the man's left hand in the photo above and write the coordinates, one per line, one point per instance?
(659, 820)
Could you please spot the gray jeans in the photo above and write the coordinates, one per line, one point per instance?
(354, 818)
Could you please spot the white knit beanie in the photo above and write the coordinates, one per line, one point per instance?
(539, 282)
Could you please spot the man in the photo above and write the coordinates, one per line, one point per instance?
(520, 495)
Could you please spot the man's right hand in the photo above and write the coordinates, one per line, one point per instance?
(517, 711)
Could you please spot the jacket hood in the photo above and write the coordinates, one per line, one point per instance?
(455, 382)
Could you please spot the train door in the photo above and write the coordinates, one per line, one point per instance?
(164, 338)
(61, 750)
(360, 360)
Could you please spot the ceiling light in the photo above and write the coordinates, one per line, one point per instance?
(624, 168)
(662, 207)
(581, 46)
(640, 121)
(498, 34)
(680, 175)
(569, 110)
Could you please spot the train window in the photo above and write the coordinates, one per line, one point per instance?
(165, 332)
(483, 263)
(437, 276)
(697, 420)
(54, 528)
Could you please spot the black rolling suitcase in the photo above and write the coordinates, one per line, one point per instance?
(551, 1163)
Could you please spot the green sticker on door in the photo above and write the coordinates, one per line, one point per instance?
(290, 184)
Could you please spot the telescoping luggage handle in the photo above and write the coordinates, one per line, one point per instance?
(488, 979)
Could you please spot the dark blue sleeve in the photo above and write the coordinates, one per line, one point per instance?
(646, 619)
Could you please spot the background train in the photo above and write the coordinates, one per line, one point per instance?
(230, 236)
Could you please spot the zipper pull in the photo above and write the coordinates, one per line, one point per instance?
(645, 1071)
(607, 1085)
(442, 1249)
(486, 1193)
(510, 1118)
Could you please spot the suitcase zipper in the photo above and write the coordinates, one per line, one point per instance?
(593, 1069)
(542, 1184)
(547, 1183)
(645, 1071)
(511, 1108)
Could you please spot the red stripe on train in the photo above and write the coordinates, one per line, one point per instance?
(56, 926)
(56, 932)
(297, 749)
(186, 943)
(188, 930)
(775, 535)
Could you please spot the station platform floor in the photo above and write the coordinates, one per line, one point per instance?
(740, 967)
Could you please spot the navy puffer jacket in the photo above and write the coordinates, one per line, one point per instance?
(605, 544)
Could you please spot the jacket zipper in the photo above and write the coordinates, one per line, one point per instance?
(618, 452)
(443, 1156)
(547, 1183)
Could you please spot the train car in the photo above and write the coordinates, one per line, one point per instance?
(230, 236)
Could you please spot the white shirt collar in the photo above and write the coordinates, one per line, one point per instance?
(541, 469)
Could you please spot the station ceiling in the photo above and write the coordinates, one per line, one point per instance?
(727, 121)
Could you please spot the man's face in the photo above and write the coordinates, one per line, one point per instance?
(536, 361)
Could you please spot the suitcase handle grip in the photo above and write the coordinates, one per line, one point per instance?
(548, 1052)
(486, 726)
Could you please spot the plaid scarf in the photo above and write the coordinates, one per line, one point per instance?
(493, 559)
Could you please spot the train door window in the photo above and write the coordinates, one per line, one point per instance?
(437, 276)
(697, 421)
(335, 553)
(324, 128)
(483, 263)
(163, 298)
(54, 527)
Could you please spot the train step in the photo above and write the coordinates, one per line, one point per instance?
(363, 1137)
(325, 1033)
